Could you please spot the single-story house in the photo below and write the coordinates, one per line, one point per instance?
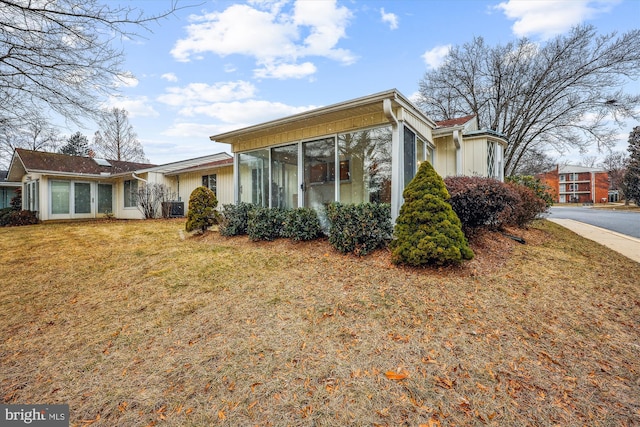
(362, 150)
(7, 190)
(62, 187)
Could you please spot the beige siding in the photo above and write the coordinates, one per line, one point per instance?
(224, 184)
(313, 131)
(417, 124)
(445, 158)
(475, 157)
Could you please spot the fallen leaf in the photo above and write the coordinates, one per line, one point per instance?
(397, 376)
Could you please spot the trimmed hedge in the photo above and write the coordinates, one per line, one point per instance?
(302, 224)
(360, 228)
(235, 218)
(10, 217)
(428, 231)
(267, 223)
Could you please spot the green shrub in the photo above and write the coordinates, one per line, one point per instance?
(541, 190)
(528, 208)
(359, 229)
(235, 218)
(202, 212)
(10, 217)
(427, 229)
(267, 223)
(479, 202)
(302, 224)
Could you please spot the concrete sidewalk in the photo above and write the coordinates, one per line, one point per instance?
(621, 243)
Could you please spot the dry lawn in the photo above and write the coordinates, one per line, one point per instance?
(136, 324)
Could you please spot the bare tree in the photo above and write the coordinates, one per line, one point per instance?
(534, 162)
(59, 56)
(116, 139)
(589, 161)
(564, 94)
(615, 163)
(36, 134)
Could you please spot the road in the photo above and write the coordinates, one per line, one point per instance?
(624, 222)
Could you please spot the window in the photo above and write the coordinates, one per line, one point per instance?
(284, 176)
(60, 197)
(209, 181)
(409, 155)
(105, 192)
(369, 168)
(562, 177)
(254, 177)
(491, 159)
(130, 193)
(573, 187)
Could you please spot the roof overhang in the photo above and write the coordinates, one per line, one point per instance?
(344, 110)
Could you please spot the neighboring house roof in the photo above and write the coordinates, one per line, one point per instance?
(342, 111)
(56, 163)
(205, 162)
(460, 121)
(4, 182)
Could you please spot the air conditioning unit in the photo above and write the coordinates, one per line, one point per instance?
(172, 209)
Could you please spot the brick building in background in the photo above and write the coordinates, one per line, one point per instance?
(577, 184)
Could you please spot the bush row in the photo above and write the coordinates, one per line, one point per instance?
(486, 203)
(352, 228)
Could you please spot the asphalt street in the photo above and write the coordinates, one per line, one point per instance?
(624, 222)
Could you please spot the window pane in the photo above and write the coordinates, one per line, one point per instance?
(284, 176)
(369, 155)
(105, 198)
(130, 193)
(253, 175)
(60, 197)
(319, 172)
(82, 197)
(409, 155)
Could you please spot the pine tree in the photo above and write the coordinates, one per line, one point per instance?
(77, 145)
(427, 229)
(631, 178)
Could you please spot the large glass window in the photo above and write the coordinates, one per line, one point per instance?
(284, 176)
(409, 155)
(319, 172)
(105, 198)
(60, 197)
(368, 154)
(82, 197)
(253, 171)
(491, 159)
(130, 193)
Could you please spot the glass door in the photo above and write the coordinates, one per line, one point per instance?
(319, 172)
(284, 176)
(105, 199)
(82, 198)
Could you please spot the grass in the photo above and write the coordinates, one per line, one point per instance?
(135, 324)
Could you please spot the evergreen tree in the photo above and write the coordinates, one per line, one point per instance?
(427, 229)
(632, 176)
(202, 212)
(77, 145)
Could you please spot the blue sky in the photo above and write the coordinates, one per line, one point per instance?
(223, 65)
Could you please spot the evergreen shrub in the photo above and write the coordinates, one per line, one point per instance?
(359, 228)
(235, 218)
(302, 224)
(202, 212)
(427, 230)
(267, 223)
(541, 190)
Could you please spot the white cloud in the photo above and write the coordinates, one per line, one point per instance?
(435, 57)
(136, 107)
(126, 80)
(285, 71)
(390, 18)
(273, 36)
(170, 77)
(246, 113)
(548, 18)
(195, 94)
(197, 130)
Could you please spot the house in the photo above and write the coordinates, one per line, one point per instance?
(7, 190)
(362, 150)
(62, 187)
(577, 184)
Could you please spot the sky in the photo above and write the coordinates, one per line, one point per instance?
(216, 66)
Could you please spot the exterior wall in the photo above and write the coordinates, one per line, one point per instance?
(551, 179)
(314, 131)
(445, 158)
(474, 157)
(190, 181)
(602, 187)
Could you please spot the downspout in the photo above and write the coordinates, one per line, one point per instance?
(146, 189)
(456, 141)
(397, 161)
